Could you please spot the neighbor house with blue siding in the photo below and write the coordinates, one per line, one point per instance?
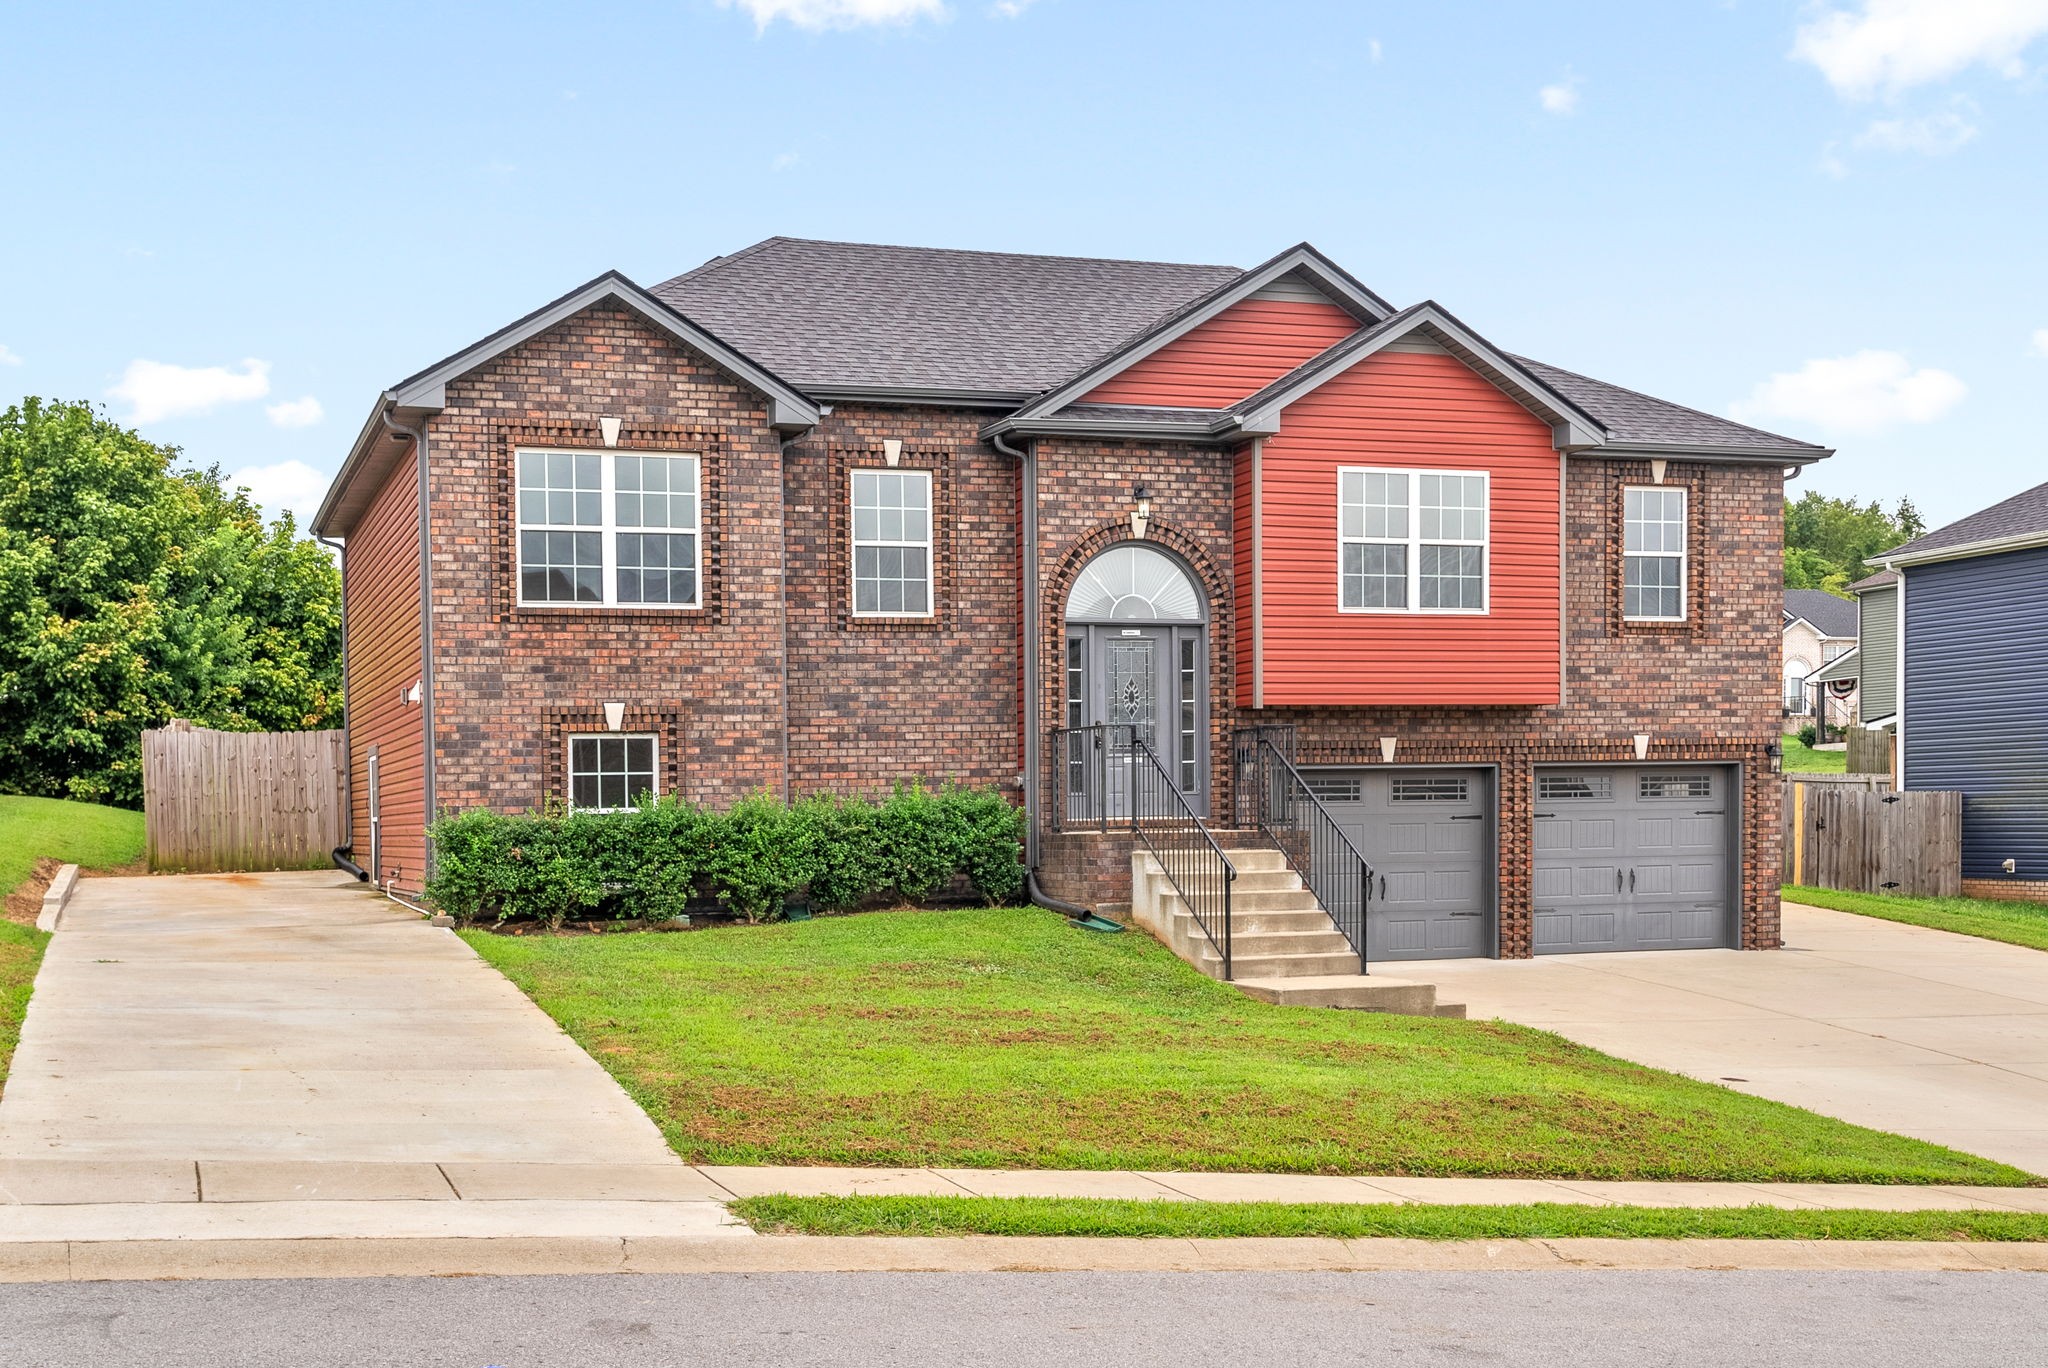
(1971, 601)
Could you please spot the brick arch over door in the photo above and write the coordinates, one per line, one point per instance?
(1052, 620)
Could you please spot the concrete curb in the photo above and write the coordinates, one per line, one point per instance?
(130, 1260)
(55, 897)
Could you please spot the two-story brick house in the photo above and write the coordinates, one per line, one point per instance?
(823, 516)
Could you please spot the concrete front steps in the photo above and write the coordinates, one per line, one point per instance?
(1284, 947)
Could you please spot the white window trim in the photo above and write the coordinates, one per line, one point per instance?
(1415, 541)
(854, 543)
(1683, 556)
(607, 529)
(569, 764)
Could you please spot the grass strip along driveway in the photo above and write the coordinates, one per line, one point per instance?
(37, 828)
(1005, 1039)
(1088, 1216)
(2015, 923)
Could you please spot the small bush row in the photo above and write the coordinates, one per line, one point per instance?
(754, 858)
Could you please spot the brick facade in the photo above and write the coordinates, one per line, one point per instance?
(774, 684)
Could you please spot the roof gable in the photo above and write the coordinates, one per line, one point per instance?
(789, 407)
(1238, 352)
(1298, 263)
(1427, 322)
(1827, 614)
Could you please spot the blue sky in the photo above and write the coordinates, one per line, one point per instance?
(233, 224)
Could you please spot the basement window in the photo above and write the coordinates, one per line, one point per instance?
(610, 772)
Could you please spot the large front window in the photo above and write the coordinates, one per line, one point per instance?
(892, 543)
(609, 529)
(1411, 541)
(1653, 554)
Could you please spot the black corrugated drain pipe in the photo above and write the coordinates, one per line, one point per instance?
(343, 862)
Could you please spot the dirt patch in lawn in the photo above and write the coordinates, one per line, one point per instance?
(25, 903)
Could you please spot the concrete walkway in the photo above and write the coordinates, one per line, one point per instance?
(294, 1016)
(1920, 1032)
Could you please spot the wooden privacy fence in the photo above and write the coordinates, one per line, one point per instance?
(1870, 750)
(1865, 839)
(215, 800)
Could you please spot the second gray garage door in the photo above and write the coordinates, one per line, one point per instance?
(1429, 837)
(1633, 858)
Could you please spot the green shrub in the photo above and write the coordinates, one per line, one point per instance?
(754, 858)
(1808, 735)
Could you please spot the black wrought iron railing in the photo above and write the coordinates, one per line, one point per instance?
(1108, 777)
(1280, 803)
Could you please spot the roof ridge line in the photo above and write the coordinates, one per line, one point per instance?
(724, 259)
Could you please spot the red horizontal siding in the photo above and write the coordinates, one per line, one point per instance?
(383, 662)
(1238, 352)
(1416, 410)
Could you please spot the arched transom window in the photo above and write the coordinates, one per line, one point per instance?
(1134, 583)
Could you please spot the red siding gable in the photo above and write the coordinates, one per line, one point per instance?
(1412, 410)
(1238, 352)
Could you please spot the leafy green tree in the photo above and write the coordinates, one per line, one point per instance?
(131, 593)
(1828, 541)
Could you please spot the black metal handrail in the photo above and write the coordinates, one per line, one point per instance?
(1107, 776)
(1288, 812)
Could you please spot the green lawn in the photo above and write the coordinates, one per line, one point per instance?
(2015, 922)
(21, 950)
(1212, 1220)
(1004, 1038)
(1801, 758)
(83, 834)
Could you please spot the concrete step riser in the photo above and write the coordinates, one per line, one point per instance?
(1407, 1000)
(1261, 923)
(1286, 966)
(1289, 943)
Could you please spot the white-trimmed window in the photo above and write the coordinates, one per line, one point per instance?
(1653, 554)
(613, 529)
(892, 543)
(611, 771)
(1796, 671)
(1412, 541)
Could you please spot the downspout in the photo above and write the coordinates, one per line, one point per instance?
(788, 444)
(418, 436)
(347, 848)
(1027, 468)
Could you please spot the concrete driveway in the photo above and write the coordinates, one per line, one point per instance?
(295, 1017)
(1919, 1032)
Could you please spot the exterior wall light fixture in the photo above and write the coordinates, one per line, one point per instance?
(1141, 516)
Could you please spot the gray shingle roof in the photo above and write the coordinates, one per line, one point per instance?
(1830, 616)
(828, 314)
(2022, 515)
(928, 318)
(1876, 581)
(1634, 417)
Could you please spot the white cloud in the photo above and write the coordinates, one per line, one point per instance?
(1562, 98)
(1891, 45)
(296, 413)
(1010, 9)
(288, 485)
(153, 390)
(7, 356)
(1832, 163)
(838, 14)
(2040, 346)
(1867, 392)
(1934, 135)
(1374, 51)
(784, 160)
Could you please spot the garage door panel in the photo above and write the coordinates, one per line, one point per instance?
(1428, 836)
(1632, 858)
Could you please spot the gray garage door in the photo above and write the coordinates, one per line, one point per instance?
(1429, 837)
(1633, 858)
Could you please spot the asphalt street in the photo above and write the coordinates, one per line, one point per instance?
(1585, 1319)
